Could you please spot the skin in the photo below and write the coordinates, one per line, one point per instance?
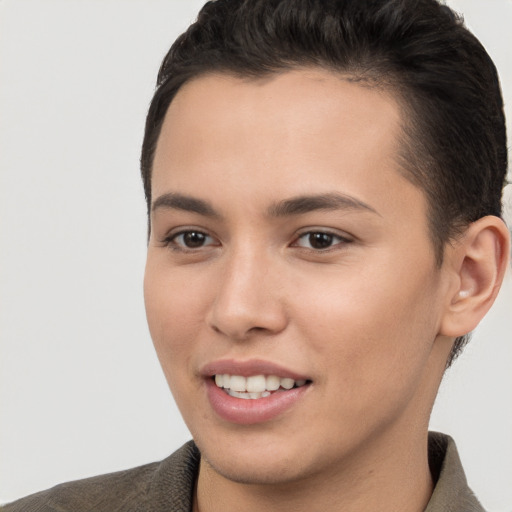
(370, 319)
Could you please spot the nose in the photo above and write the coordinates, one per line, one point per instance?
(248, 299)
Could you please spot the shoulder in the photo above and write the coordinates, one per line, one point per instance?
(165, 485)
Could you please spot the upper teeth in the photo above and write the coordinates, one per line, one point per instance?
(255, 383)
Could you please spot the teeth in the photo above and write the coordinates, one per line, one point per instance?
(272, 383)
(248, 396)
(255, 386)
(287, 383)
(238, 383)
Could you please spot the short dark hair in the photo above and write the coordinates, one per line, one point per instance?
(453, 140)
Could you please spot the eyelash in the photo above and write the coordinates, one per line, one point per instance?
(171, 240)
(341, 240)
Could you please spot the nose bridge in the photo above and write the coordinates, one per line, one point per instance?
(247, 298)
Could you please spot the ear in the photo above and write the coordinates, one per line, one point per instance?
(477, 265)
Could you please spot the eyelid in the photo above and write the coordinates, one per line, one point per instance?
(343, 237)
(169, 240)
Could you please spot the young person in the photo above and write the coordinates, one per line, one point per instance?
(324, 196)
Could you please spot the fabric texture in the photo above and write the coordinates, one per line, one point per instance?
(451, 493)
(168, 486)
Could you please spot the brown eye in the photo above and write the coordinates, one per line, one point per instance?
(191, 240)
(320, 240)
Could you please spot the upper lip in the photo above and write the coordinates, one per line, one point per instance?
(248, 368)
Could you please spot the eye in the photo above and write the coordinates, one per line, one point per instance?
(190, 239)
(319, 240)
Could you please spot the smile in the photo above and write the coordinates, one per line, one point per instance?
(253, 391)
(256, 386)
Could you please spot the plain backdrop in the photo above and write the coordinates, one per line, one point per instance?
(81, 391)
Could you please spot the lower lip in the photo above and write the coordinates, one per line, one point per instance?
(249, 411)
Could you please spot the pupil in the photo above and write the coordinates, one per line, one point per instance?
(320, 240)
(193, 239)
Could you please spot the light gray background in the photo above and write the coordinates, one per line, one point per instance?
(81, 391)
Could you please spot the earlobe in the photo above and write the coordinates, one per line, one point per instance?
(477, 264)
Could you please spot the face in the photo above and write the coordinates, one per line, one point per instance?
(291, 287)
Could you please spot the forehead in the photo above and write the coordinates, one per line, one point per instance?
(292, 133)
(299, 103)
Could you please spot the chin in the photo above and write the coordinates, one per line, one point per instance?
(257, 470)
(259, 459)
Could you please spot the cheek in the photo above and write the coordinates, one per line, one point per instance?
(371, 325)
(174, 312)
(372, 347)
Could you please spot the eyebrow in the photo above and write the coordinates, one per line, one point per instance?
(308, 203)
(288, 207)
(186, 203)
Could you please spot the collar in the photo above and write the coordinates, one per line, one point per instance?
(451, 492)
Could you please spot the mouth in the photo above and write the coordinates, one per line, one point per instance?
(253, 391)
(255, 387)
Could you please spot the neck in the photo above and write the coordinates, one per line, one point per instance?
(391, 477)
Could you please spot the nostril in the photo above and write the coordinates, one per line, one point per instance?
(216, 329)
(257, 329)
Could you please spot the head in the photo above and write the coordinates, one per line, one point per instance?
(453, 135)
(323, 182)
